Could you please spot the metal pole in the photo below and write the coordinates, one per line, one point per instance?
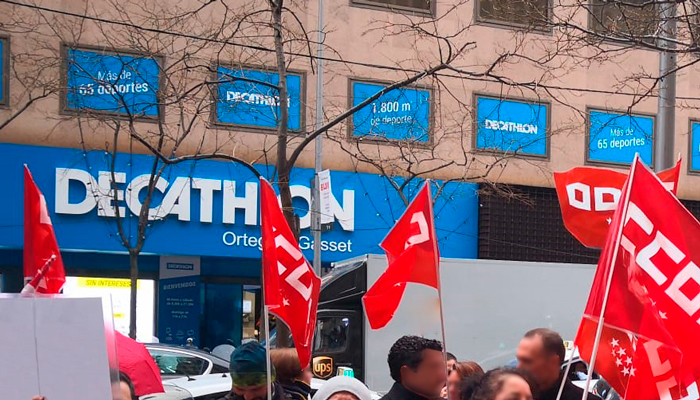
(665, 127)
(316, 194)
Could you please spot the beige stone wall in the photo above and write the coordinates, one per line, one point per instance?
(374, 36)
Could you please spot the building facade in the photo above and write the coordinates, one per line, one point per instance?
(91, 100)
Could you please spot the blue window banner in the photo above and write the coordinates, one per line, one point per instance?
(615, 137)
(106, 82)
(248, 97)
(211, 208)
(694, 147)
(5, 70)
(400, 114)
(512, 126)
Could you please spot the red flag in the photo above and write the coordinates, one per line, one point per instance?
(40, 241)
(412, 253)
(588, 197)
(649, 347)
(290, 284)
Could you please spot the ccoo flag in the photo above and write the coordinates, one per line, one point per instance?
(412, 254)
(43, 266)
(649, 275)
(291, 287)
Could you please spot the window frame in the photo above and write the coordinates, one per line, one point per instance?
(378, 5)
(351, 137)
(496, 23)
(614, 164)
(607, 36)
(690, 170)
(348, 339)
(475, 125)
(177, 353)
(89, 112)
(214, 120)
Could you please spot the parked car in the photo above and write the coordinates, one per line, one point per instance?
(176, 361)
(171, 393)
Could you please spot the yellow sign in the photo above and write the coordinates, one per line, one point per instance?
(106, 283)
(323, 367)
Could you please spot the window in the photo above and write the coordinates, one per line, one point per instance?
(632, 19)
(421, 5)
(172, 363)
(528, 13)
(331, 334)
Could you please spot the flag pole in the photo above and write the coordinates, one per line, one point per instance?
(618, 236)
(439, 284)
(566, 373)
(267, 352)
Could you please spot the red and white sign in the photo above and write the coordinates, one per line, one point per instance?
(588, 197)
(291, 287)
(412, 252)
(649, 347)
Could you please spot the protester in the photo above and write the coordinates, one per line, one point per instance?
(343, 388)
(126, 387)
(451, 361)
(249, 375)
(457, 374)
(417, 366)
(295, 380)
(541, 352)
(498, 384)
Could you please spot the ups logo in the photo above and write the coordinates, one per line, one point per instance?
(323, 367)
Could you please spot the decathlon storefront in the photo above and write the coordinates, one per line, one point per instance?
(200, 265)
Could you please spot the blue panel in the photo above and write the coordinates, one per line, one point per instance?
(616, 138)
(179, 310)
(110, 83)
(222, 316)
(365, 208)
(511, 126)
(256, 104)
(695, 147)
(400, 114)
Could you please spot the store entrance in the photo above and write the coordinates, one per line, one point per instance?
(229, 313)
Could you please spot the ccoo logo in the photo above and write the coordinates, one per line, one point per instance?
(323, 367)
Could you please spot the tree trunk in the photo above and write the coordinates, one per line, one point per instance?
(134, 274)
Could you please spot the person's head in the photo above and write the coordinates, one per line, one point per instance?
(541, 353)
(461, 371)
(343, 388)
(286, 363)
(126, 387)
(498, 384)
(249, 371)
(418, 364)
(451, 361)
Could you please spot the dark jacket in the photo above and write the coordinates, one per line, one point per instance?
(298, 390)
(571, 392)
(398, 392)
(277, 394)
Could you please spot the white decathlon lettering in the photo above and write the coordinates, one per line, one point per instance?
(423, 234)
(64, 176)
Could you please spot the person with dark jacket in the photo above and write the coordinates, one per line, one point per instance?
(249, 375)
(541, 352)
(417, 366)
(295, 380)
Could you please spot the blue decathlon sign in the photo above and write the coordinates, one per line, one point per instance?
(616, 138)
(695, 146)
(111, 83)
(211, 208)
(511, 126)
(400, 114)
(248, 97)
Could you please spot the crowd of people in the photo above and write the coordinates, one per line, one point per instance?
(417, 366)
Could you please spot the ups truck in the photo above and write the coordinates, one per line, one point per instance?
(488, 306)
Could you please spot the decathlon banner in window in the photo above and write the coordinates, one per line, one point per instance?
(511, 126)
(250, 98)
(695, 146)
(400, 114)
(111, 83)
(617, 137)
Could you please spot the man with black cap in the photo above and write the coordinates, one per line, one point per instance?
(249, 375)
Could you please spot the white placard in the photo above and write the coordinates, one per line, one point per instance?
(324, 182)
(53, 347)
